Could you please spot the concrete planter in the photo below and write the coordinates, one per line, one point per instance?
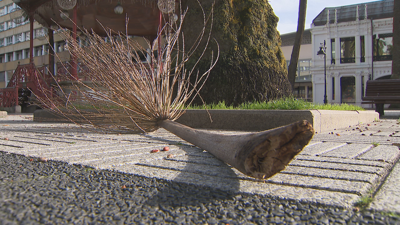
(256, 120)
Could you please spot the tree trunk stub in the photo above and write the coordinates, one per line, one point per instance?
(259, 155)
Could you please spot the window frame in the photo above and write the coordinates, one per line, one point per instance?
(344, 41)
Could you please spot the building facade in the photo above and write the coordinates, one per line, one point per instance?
(303, 88)
(358, 44)
(14, 42)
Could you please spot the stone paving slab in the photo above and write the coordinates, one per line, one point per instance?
(336, 168)
(388, 196)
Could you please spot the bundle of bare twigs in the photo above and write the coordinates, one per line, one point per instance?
(123, 91)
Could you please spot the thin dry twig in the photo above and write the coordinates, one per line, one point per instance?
(124, 92)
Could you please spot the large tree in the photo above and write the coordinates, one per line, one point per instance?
(297, 42)
(396, 41)
(251, 66)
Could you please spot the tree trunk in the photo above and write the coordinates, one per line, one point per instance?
(396, 41)
(297, 42)
(251, 65)
(260, 155)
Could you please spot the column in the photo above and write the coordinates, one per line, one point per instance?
(357, 49)
(338, 93)
(368, 46)
(74, 64)
(51, 51)
(6, 78)
(358, 87)
(328, 50)
(31, 38)
(337, 50)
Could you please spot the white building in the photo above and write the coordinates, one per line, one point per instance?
(350, 32)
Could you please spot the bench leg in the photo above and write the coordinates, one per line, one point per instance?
(380, 109)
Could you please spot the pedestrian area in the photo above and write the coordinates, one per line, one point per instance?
(336, 168)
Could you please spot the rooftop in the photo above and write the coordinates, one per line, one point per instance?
(375, 10)
(288, 39)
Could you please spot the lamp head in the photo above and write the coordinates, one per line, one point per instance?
(64, 14)
(321, 52)
(118, 9)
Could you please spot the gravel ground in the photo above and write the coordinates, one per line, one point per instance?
(53, 192)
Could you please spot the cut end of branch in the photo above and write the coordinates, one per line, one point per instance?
(275, 153)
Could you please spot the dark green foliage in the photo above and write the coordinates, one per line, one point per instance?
(251, 66)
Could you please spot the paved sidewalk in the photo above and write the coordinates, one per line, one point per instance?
(336, 168)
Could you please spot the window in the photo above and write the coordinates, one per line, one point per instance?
(1, 42)
(9, 57)
(383, 46)
(38, 51)
(46, 49)
(347, 50)
(3, 76)
(304, 67)
(10, 8)
(362, 49)
(1, 26)
(27, 36)
(9, 24)
(333, 51)
(18, 55)
(9, 40)
(300, 92)
(348, 87)
(39, 33)
(2, 58)
(27, 54)
(19, 21)
(18, 38)
(60, 46)
(2, 11)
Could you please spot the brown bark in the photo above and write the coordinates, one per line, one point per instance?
(260, 155)
(297, 42)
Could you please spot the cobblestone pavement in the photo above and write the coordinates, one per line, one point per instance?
(336, 168)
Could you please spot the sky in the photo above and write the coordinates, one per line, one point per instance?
(288, 10)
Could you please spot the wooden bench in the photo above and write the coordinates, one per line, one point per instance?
(380, 92)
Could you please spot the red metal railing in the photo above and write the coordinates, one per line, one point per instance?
(38, 80)
(25, 76)
(8, 97)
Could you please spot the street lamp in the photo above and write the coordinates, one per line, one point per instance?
(322, 52)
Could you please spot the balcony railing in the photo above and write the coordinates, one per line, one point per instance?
(383, 58)
(347, 60)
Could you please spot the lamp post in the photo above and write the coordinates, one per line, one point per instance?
(322, 52)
